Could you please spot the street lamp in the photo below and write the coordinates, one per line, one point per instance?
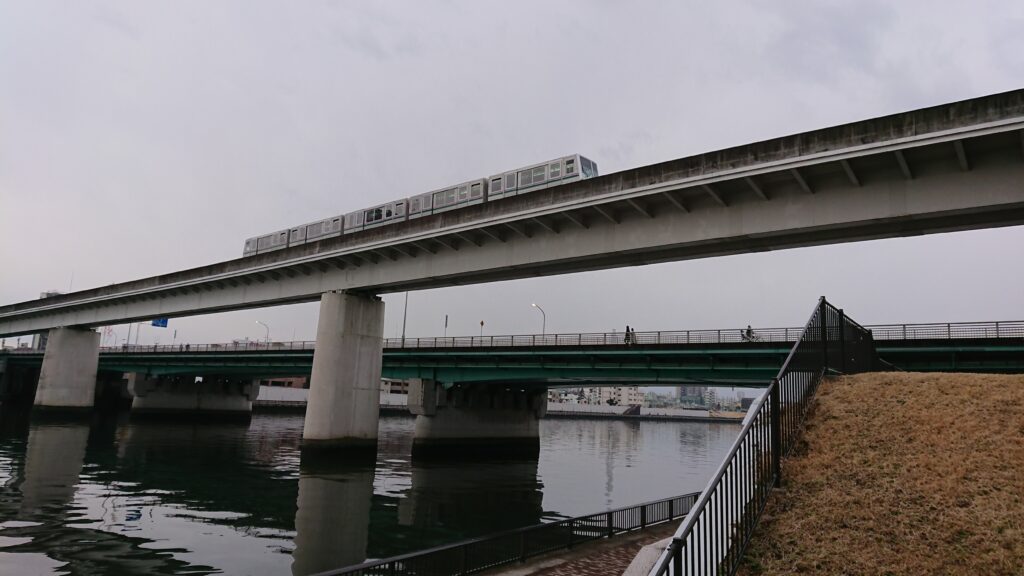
(544, 319)
(268, 331)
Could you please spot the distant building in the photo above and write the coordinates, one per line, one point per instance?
(614, 395)
(693, 395)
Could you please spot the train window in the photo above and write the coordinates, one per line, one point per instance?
(463, 193)
(495, 184)
(475, 190)
(524, 178)
(414, 205)
(450, 196)
(510, 181)
(588, 168)
(538, 174)
(555, 170)
(570, 166)
(387, 213)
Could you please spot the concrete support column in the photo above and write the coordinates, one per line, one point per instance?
(476, 420)
(344, 389)
(67, 380)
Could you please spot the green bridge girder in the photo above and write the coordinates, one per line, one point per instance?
(742, 364)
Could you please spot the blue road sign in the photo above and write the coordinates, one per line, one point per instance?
(160, 322)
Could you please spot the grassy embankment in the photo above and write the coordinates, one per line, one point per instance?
(902, 473)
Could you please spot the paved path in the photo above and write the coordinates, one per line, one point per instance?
(609, 556)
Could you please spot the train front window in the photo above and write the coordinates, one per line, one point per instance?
(588, 169)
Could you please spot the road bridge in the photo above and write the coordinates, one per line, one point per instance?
(952, 167)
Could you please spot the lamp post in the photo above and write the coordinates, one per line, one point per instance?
(543, 319)
(268, 331)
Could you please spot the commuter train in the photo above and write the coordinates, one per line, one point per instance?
(521, 181)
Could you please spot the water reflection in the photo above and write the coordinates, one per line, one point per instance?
(333, 516)
(157, 498)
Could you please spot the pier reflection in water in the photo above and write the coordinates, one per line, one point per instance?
(148, 498)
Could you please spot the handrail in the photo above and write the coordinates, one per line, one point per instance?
(714, 535)
(885, 332)
(486, 552)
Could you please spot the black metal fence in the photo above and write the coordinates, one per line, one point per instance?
(478, 554)
(715, 534)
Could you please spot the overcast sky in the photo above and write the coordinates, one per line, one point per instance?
(139, 138)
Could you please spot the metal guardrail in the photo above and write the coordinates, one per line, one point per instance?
(712, 538)
(932, 331)
(513, 546)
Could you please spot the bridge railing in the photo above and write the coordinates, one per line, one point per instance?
(513, 546)
(712, 538)
(931, 331)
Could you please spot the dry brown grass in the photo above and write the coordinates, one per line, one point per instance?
(902, 473)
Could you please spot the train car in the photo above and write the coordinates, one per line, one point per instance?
(381, 215)
(539, 176)
(521, 181)
(273, 241)
(421, 205)
(328, 228)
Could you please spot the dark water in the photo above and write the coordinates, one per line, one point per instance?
(148, 498)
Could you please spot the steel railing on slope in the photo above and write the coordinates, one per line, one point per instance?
(513, 546)
(712, 538)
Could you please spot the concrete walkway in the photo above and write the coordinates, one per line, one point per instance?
(601, 557)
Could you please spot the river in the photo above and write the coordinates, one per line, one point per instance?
(120, 497)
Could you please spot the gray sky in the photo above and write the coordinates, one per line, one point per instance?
(138, 138)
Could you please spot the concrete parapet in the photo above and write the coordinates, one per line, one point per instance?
(344, 390)
(67, 379)
(183, 397)
(475, 420)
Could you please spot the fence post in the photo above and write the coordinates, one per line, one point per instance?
(842, 341)
(822, 311)
(947, 331)
(776, 431)
(611, 526)
(643, 517)
(671, 509)
(997, 329)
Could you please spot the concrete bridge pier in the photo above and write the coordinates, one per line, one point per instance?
(216, 398)
(476, 419)
(67, 378)
(344, 388)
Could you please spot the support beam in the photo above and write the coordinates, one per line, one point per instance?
(640, 207)
(801, 181)
(447, 242)
(961, 155)
(904, 166)
(577, 220)
(465, 237)
(850, 173)
(67, 380)
(715, 195)
(344, 391)
(467, 420)
(385, 254)
(608, 214)
(545, 225)
(213, 398)
(405, 250)
(425, 247)
(675, 200)
(495, 235)
(516, 228)
(756, 188)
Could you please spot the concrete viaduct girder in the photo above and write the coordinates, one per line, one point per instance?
(952, 167)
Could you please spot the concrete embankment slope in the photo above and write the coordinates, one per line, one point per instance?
(902, 473)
